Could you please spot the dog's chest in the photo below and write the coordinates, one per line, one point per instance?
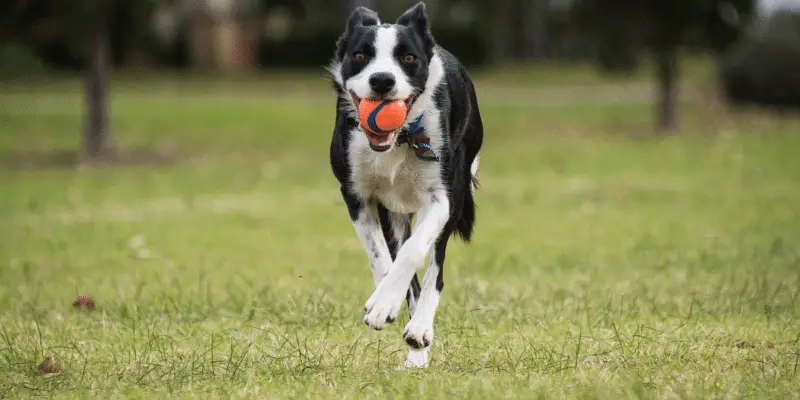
(396, 178)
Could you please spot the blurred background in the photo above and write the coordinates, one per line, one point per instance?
(749, 49)
(638, 186)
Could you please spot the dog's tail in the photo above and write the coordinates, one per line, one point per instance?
(465, 224)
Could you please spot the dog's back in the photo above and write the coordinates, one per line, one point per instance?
(458, 103)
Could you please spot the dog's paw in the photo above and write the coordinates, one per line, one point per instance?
(416, 359)
(383, 306)
(381, 313)
(418, 334)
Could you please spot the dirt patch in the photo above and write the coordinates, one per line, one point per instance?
(75, 159)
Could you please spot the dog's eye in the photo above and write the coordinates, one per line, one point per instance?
(359, 57)
(409, 58)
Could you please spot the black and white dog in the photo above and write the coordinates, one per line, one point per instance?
(426, 168)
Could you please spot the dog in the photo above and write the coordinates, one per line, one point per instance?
(425, 169)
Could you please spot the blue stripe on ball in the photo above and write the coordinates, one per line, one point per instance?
(371, 124)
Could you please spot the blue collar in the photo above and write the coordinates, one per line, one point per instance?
(417, 140)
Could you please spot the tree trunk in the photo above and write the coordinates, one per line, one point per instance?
(533, 28)
(96, 134)
(667, 76)
(501, 28)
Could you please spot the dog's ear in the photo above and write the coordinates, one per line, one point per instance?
(361, 16)
(416, 18)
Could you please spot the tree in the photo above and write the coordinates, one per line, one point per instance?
(762, 68)
(623, 32)
(91, 21)
(81, 33)
(97, 137)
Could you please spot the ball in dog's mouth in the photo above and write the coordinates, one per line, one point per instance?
(380, 142)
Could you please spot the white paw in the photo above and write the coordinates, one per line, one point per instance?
(416, 359)
(418, 334)
(384, 304)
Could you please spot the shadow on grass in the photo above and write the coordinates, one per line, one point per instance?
(75, 159)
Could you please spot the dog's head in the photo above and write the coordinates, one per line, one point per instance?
(388, 61)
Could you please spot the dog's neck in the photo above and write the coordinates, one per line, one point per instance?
(417, 139)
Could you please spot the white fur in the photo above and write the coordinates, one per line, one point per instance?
(399, 226)
(399, 223)
(397, 177)
(474, 170)
(385, 302)
(335, 71)
(403, 184)
(416, 359)
(420, 327)
(384, 61)
(369, 232)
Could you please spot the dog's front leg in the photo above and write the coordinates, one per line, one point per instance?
(384, 304)
(368, 228)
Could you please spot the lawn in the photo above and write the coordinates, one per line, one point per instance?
(607, 262)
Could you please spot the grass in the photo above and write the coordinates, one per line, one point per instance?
(607, 261)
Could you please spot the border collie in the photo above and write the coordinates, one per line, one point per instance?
(426, 168)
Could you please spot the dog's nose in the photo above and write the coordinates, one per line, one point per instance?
(381, 82)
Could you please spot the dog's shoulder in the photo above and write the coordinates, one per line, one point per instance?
(458, 79)
(455, 95)
(340, 141)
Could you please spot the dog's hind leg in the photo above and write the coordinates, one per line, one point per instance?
(418, 334)
(412, 297)
(396, 229)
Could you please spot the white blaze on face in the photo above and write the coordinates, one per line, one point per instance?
(384, 61)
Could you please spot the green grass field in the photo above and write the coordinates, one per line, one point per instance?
(608, 262)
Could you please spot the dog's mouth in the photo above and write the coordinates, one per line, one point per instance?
(381, 141)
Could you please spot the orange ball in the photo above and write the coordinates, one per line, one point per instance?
(382, 116)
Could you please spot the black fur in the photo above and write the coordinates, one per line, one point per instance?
(460, 122)
(360, 18)
(413, 38)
